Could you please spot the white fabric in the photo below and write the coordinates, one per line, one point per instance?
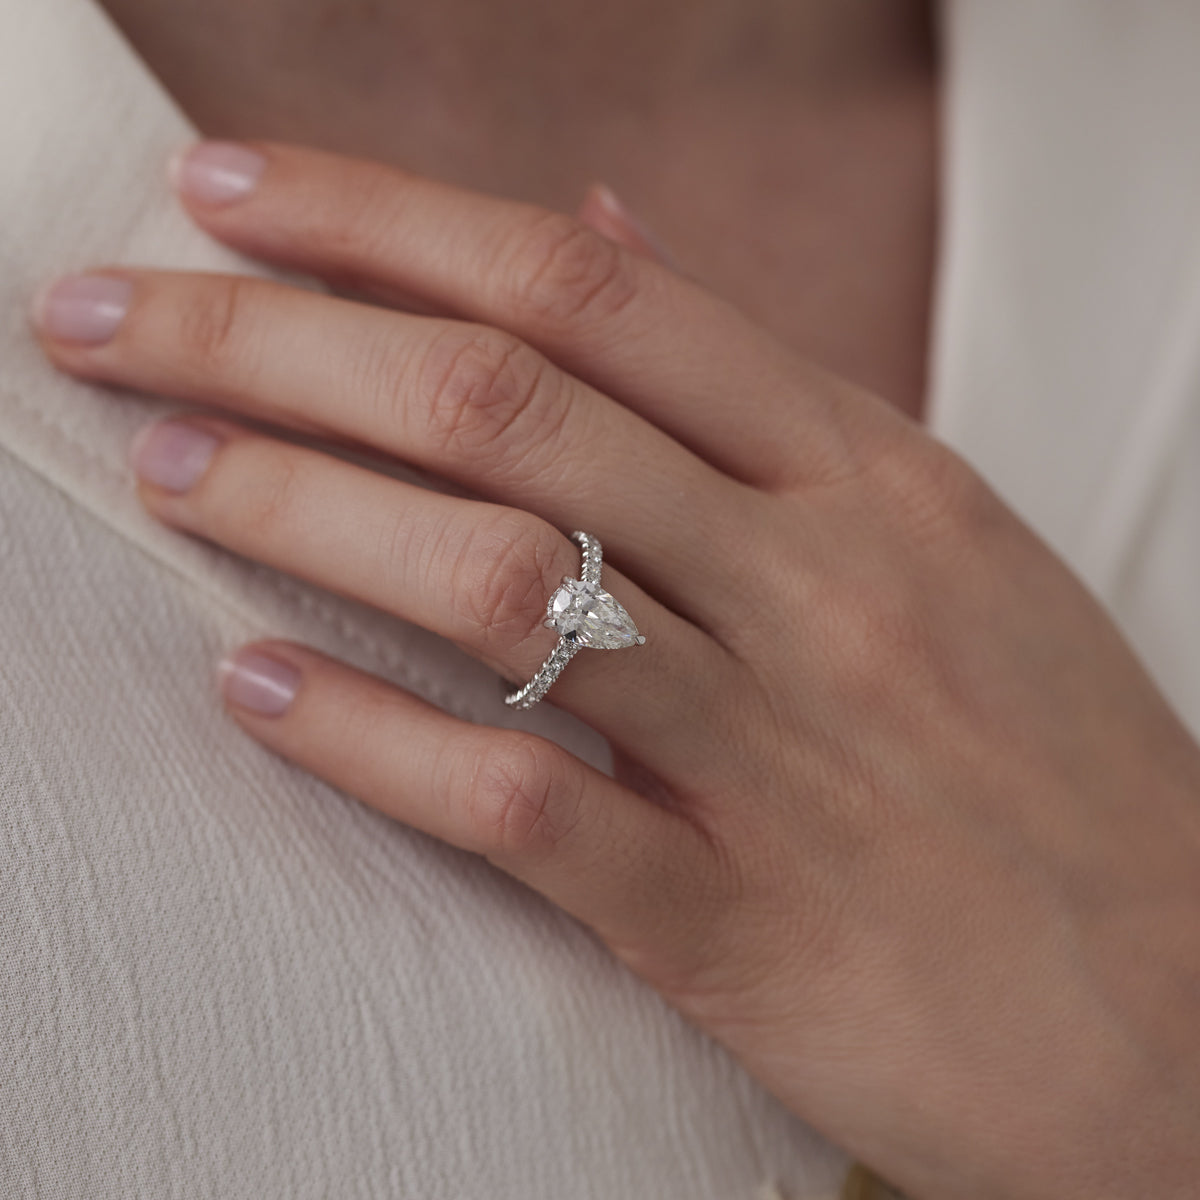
(220, 978)
(1067, 361)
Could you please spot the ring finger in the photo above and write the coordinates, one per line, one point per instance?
(479, 574)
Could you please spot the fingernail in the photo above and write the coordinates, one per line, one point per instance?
(216, 172)
(621, 215)
(82, 308)
(254, 680)
(172, 454)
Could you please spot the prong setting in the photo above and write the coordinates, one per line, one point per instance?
(585, 616)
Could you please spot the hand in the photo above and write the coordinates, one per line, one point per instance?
(898, 817)
(796, 132)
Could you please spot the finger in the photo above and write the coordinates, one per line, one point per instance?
(476, 573)
(603, 211)
(638, 874)
(471, 403)
(642, 334)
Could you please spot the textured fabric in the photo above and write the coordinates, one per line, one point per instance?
(221, 978)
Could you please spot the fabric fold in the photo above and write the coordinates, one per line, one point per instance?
(223, 978)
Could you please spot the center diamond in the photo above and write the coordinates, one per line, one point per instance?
(585, 613)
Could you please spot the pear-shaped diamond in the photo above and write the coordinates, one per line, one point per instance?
(585, 613)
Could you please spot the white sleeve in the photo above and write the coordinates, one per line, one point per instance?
(1066, 356)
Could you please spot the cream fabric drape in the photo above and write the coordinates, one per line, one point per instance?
(219, 977)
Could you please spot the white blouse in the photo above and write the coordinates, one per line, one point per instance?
(1067, 349)
(219, 977)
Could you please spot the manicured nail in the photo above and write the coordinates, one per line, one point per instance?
(82, 308)
(172, 454)
(619, 213)
(216, 172)
(254, 680)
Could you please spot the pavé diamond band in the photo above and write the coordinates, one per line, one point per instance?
(586, 618)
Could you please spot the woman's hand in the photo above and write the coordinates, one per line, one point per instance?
(899, 818)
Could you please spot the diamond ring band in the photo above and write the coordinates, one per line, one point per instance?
(585, 616)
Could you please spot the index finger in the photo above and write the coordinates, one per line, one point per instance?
(649, 338)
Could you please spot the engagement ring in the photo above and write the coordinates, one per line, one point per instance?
(586, 618)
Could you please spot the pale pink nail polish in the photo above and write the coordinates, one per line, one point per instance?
(86, 309)
(217, 172)
(622, 216)
(254, 680)
(172, 454)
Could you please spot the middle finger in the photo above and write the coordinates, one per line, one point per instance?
(469, 402)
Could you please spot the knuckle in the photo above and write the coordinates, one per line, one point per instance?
(505, 574)
(879, 639)
(562, 272)
(875, 635)
(477, 386)
(520, 804)
(213, 322)
(934, 493)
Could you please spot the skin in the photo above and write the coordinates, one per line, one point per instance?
(784, 150)
(904, 824)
